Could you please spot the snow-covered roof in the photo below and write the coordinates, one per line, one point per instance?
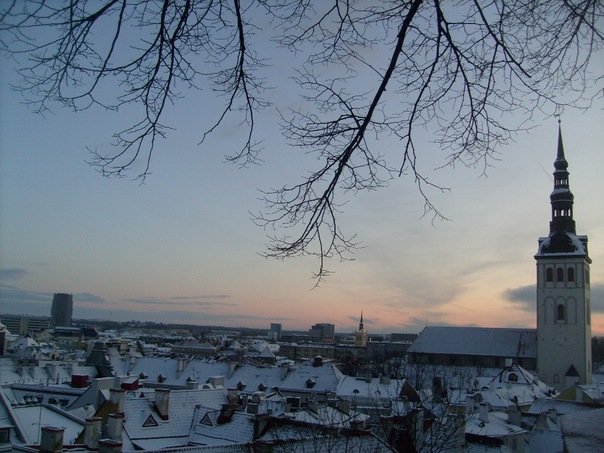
(143, 422)
(583, 431)
(375, 388)
(497, 426)
(476, 341)
(207, 429)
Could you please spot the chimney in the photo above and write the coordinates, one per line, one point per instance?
(116, 398)
(51, 439)
(216, 381)
(514, 415)
(483, 412)
(92, 432)
(109, 446)
(283, 369)
(162, 402)
(437, 389)
(114, 426)
(192, 384)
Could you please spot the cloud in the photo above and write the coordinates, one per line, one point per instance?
(88, 297)
(203, 296)
(11, 294)
(191, 301)
(12, 273)
(524, 297)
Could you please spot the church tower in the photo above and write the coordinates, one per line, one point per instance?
(563, 294)
(361, 336)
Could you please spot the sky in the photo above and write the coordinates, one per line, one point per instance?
(182, 246)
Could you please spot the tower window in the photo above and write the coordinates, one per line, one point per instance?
(570, 274)
(559, 274)
(560, 315)
(549, 275)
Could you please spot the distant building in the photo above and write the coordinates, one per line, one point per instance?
(361, 335)
(275, 333)
(22, 325)
(322, 333)
(62, 309)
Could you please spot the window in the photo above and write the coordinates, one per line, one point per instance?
(549, 275)
(570, 274)
(513, 377)
(560, 315)
(559, 274)
(150, 422)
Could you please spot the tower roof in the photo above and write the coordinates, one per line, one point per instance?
(562, 233)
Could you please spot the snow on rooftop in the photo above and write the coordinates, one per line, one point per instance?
(479, 341)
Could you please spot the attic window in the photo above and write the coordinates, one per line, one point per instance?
(206, 420)
(150, 422)
(513, 377)
(310, 383)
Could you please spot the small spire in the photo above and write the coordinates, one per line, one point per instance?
(560, 163)
(361, 322)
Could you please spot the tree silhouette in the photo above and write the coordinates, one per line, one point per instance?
(469, 72)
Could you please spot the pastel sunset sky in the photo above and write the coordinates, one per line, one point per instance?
(181, 247)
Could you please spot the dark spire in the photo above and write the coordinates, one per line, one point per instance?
(361, 323)
(561, 198)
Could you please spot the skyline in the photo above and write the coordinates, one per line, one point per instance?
(182, 248)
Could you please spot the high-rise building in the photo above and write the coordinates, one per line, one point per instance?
(563, 291)
(275, 332)
(62, 309)
(323, 332)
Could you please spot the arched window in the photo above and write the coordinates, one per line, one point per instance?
(513, 377)
(549, 275)
(559, 274)
(570, 274)
(560, 315)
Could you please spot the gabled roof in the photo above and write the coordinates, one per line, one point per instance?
(207, 429)
(140, 414)
(476, 341)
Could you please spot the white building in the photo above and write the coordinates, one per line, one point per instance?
(563, 292)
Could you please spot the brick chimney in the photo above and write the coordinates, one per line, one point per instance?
(51, 439)
(162, 403)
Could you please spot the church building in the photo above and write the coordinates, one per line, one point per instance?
(563, 293)
(561, 344)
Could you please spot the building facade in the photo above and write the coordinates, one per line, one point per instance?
(62, 309)
(563, 291)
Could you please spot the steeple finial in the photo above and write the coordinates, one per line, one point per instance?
(560, 163)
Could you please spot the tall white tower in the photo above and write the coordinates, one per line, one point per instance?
(563, 294)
